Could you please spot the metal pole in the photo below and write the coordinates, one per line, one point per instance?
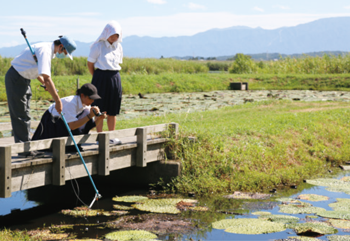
(97, 196)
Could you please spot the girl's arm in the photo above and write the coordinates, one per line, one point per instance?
(91, 67)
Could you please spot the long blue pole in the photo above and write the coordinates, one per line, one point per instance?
(81, 157)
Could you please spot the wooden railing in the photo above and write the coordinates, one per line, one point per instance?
(17, 174)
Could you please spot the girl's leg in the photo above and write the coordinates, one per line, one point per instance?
(99, 127)
(111, 121)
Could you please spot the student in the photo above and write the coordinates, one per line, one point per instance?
(104, 60)
(18, 77)
(77, 112)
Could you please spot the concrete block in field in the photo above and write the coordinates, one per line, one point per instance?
(239, 86)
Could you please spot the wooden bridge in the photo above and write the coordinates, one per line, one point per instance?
(140, 146)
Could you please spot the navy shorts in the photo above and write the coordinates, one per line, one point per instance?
(109, 87)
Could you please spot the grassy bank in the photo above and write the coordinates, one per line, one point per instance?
(256, 146)
(161, 83)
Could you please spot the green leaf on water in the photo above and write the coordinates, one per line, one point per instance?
(313, 197)
(339, 238)
(261, 213)
(248, 226)
(342, 204)
(131, 235)
(122, 207)
(280, 218)
(166, 205)
(129, 199)
(335, 214)
(314, 227)
(295, 207)
(339, 223)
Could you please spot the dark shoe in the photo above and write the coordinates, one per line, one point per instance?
(73, 149)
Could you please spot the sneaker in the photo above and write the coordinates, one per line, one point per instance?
(115, 141)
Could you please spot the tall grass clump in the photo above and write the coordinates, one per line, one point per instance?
(256, 146)
(328, 64)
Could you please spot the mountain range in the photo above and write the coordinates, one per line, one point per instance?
(328, 34)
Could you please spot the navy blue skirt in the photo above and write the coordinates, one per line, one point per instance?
(53, 127)
(109, 87)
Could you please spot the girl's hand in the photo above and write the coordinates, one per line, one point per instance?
(101, 117)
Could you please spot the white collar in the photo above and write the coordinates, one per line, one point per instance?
(108, 45)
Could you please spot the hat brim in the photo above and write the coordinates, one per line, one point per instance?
(95, 97)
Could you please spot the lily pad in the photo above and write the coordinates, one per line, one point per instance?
(338, 238)
(166, 205)
(261, 213)
(296, 207)
(335, 214)
(86, 212)
(342, 204)
(47, 235)
(345, 179)
(122, 207)
(131, 235)
(333, 185)
(280, 218)
(246, 195)
(129, 199)
(248, 226)
(338, 223)
(303, 238)
(314, 227)
(313, 197)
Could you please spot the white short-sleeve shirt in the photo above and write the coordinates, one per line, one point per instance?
(25, 64)
(106, 56)
(72, 106)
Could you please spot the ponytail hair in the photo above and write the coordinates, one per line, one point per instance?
(78, 92)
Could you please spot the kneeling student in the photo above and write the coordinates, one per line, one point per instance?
(77, 112)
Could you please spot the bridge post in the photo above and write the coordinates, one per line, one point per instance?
(5, 171)
(103, 156)
(141, 150)
(59, 162)
(174, 129)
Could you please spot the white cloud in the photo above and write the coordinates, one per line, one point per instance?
(156, 1)
(282, 7)
(88, 28)
(347, 7)
(258, 9)
(194, 6)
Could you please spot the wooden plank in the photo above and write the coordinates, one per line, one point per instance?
(5, 172)
(141, 150)
(122, 133)
(81, 139)
(156, 128)
(75, 168)
(122, 159)
(59, 162)
(103, 156)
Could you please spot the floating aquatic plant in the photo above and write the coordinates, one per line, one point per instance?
(86, 212)
(47, 235)
(296, 207)
(313, 197)
(248, 226)
(338, 223)
(131, 235)
(345, 179)
(129, 199)
(338, 238)
(333, 185)
(280, 218)
(303, 238)
(334, 214)
(342, 204)
(314, 227)
(122, 207)
(246, 195)
(166, 205)
(261, 213)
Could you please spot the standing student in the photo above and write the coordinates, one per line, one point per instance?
(77, 112)
(18, 77)
(104, 60)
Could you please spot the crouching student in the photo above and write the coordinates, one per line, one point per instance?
(78, 113)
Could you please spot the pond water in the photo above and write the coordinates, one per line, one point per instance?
(199, 226)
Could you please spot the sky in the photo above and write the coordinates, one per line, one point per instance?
(84, 20)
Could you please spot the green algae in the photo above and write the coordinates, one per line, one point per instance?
(248, 226)
(280, 218)
(313, 197)
(131, 235)
(129, 199)
(312, 227)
